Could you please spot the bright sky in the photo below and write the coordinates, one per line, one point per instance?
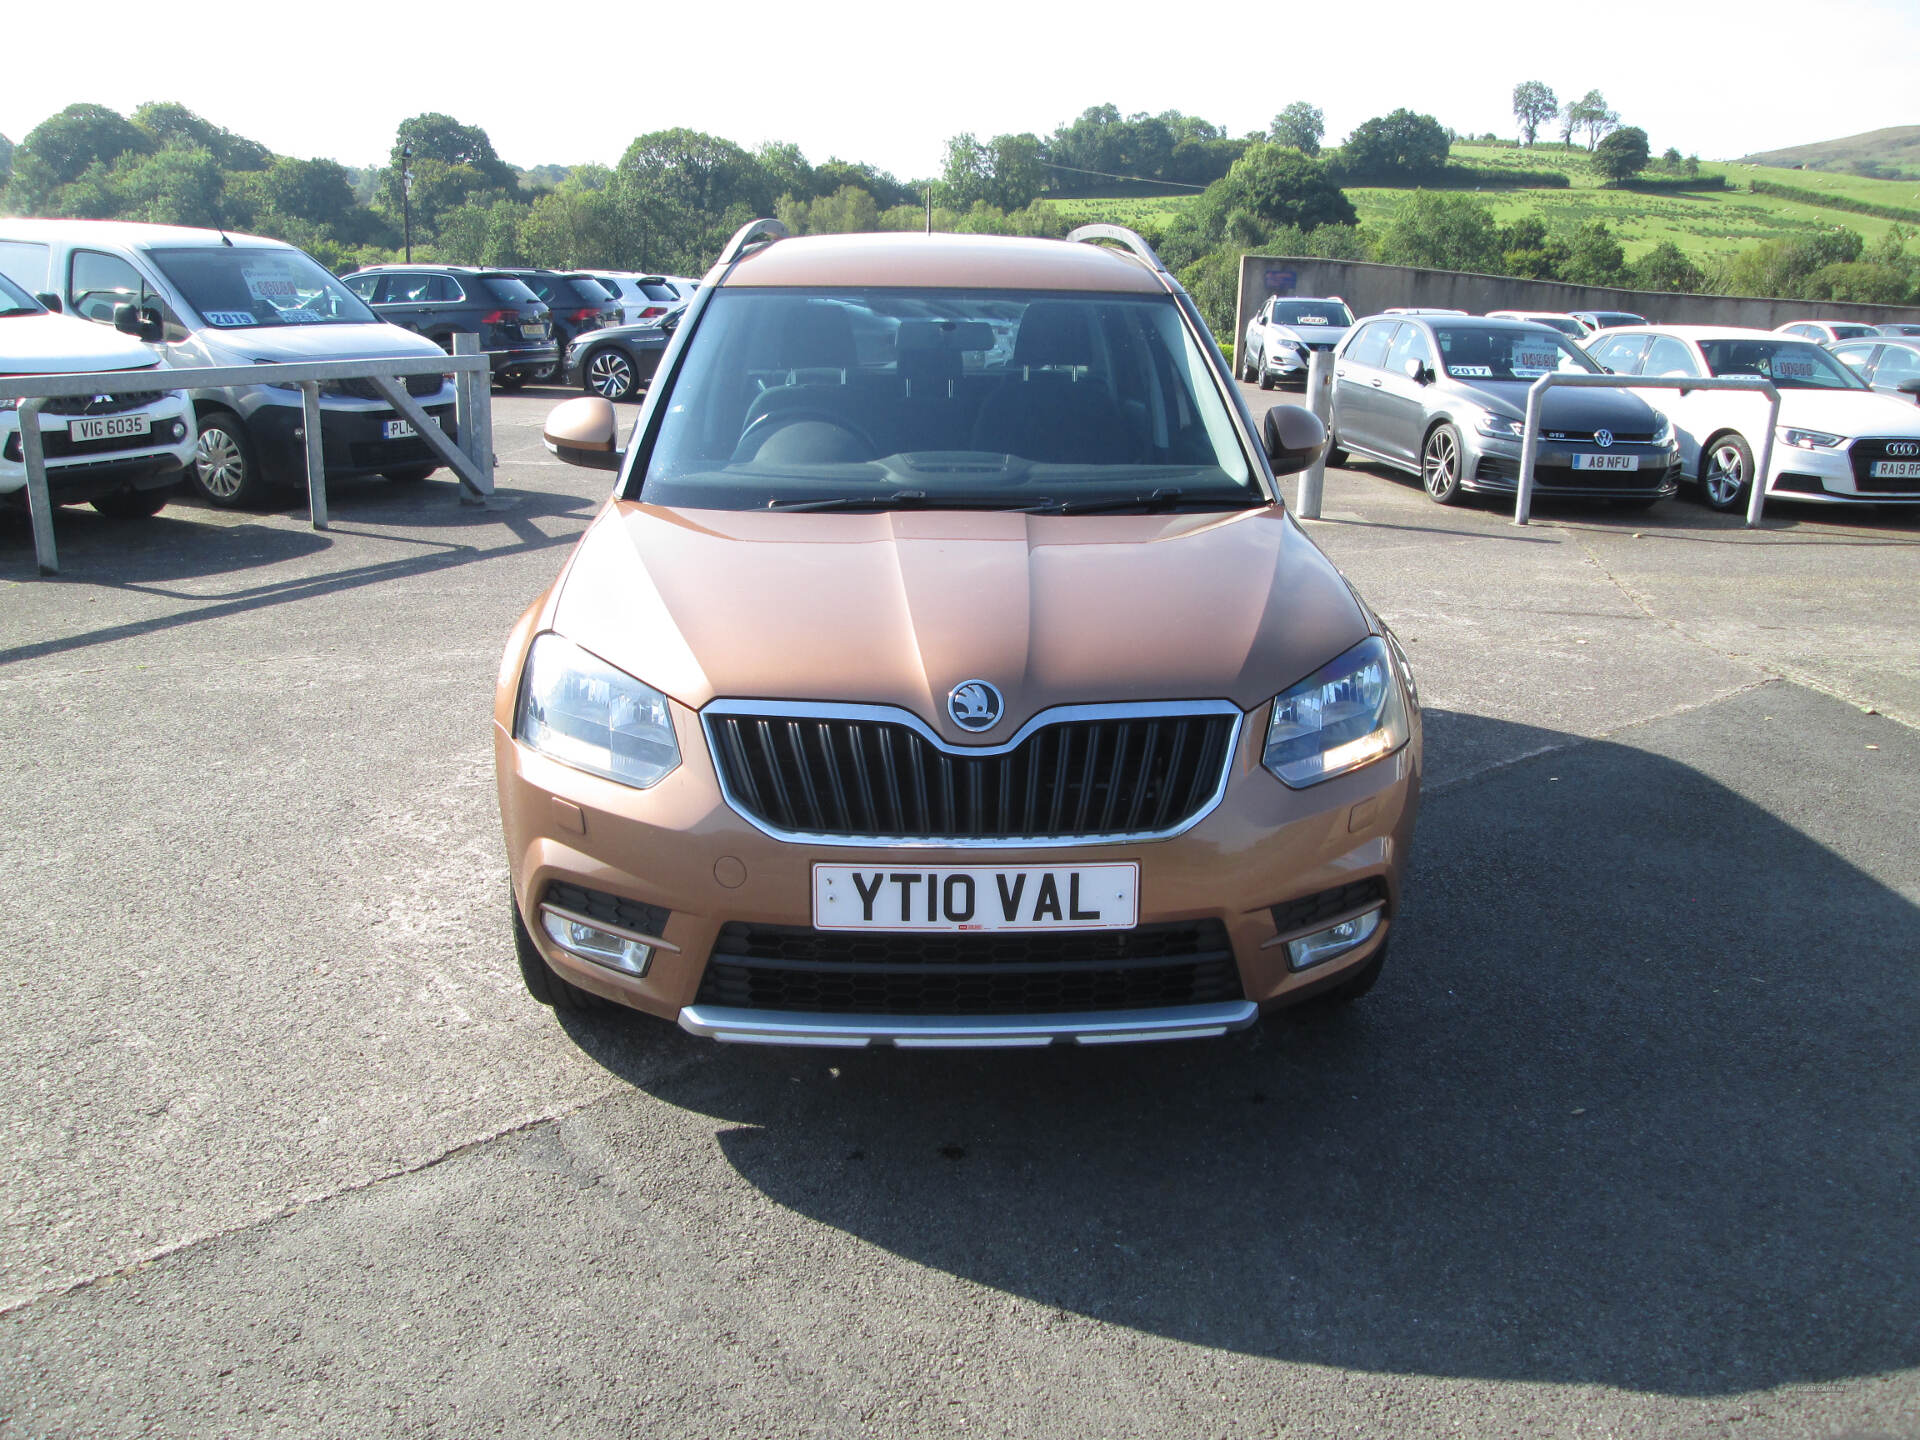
(889, 82)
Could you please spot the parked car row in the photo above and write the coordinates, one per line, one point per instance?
(190, 299)
(1442, 395)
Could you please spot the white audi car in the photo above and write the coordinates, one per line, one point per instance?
(1838, 442)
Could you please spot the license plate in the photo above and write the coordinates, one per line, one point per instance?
(108, 427)
(1064, 897)
(1606, 462)
(397, 430)
(534, 332)
(1896, 469)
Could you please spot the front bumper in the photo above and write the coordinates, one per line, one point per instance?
(1832, 477)
(89, 470)
(679, 847)
(1492, 467)
(352, 441)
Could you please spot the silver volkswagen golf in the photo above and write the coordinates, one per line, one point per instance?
(1446, 399)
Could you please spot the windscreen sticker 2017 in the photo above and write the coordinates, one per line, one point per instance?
(1472, 372)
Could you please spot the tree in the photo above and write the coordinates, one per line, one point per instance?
(1274, 185)
(1300, 125)
(1005, 172)
(6, 160)
(1590, 113)
(1594, 257)
(1526, 250)
(177, 127)
(1396, 148)
(1666, 268)
(313, 190)
(1441, 230)
(1622, 155)
(1533, 105)
(82, 135)
(679, 193)
(434, 136)
(1569, 121)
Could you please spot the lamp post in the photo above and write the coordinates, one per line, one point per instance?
(406, 197)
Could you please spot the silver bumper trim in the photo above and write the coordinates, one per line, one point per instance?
(966, 1032)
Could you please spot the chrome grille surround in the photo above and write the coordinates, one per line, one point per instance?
(881, 715)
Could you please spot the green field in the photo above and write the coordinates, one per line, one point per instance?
(1705, 224)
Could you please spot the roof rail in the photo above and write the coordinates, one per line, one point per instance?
(1124, 236)
(753, 230)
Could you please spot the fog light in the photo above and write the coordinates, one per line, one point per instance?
(591, 942)
(177, 431)
(1335, 940)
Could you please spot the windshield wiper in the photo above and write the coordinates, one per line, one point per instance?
(1165, 496)
(916, 500)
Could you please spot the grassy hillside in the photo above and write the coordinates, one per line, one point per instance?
(1705, 224)
(1898, 146)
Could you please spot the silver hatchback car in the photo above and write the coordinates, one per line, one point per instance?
(1446, 399)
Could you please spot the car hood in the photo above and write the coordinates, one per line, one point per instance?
(1562, 408)
(63, 345)
(898, 607)
(1849, 412)
(1314, 334)
(291, 344)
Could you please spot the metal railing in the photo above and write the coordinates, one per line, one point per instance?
(1747, 384)
(471, 456)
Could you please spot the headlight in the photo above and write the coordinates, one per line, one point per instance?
(1812, 439)
(581, 711)
(1662, 429)
(10, 402)
(1346, 714)
(1500, 427)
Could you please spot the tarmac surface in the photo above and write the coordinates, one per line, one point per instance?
(1623, 1144)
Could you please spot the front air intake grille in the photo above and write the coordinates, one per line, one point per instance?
(598, 905)
(101, 404)
(1311, 911)
(1865, 454)
(857, 778)
(776, 967)
(418, 386)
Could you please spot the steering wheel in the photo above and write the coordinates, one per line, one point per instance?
(764, 427)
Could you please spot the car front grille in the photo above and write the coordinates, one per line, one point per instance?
(1585, 437)
(778, 967)
(632, 915)
(417, 386)
(1866, 453)
(100, 404)
(860, 778)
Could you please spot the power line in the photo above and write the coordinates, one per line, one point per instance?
(1109, 175)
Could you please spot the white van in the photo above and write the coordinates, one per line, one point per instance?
(204, 297)
(123, 451)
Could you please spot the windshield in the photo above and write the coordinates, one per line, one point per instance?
(1607, 319)
(883, 399)
(1311, 312)
(1473, 352)
(15, 301)
(1851, 332)
(243, 287)
(1790, 364)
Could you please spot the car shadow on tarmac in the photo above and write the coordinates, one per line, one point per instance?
(1633, 1104)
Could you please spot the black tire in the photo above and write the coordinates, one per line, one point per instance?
(510, 382)
(1726, 473)
(1336, 457)
(542, 982)
(1440, 462)
(1264, 377)
(609, 373)
(1245, 363)
(409, 474)
(226, 467)
(1336, 997)
(133, 504)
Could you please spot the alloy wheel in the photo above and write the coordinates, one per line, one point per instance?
(1441, 472)
(221, 465)
(1726, 475)
(610, 374)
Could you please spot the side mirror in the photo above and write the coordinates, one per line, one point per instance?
(143, 323)
(1294, 438)
(584, 432)
(1909, 387)
(1418, 373)
(51, 301)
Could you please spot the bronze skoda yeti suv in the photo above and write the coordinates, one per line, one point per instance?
(944, 670)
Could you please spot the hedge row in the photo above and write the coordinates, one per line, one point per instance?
(1675, 182)
(1464, 177)
(1834, 202)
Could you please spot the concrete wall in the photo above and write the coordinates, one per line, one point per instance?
(1370, 288)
